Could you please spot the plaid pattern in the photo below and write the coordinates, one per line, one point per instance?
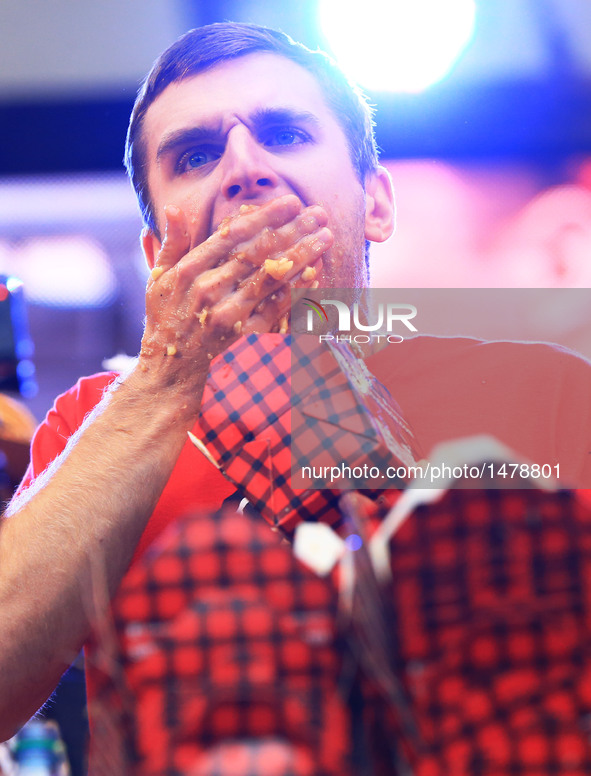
(233, 667)
(247, 421)
(342, 413)
(230, 658)
(493, 616)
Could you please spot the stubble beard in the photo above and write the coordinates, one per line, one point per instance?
(344, 264)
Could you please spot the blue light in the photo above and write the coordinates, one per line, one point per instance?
(353, 542)
(28, 389)
(25, 369)
(397, 45)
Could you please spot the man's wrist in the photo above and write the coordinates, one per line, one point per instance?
(174, 392)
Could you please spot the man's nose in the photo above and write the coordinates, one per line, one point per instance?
(247, 171)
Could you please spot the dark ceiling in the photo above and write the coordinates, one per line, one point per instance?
(541, 118)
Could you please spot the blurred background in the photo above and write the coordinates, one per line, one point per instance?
(483, 116)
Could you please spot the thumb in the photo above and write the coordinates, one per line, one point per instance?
(176, 241)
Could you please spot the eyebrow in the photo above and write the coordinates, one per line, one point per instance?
(265, 117)
(184, 137)
(260, 119)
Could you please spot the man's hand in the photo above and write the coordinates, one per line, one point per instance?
(236, 282)
(87, 511)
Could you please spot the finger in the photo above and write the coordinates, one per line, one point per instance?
(245, 225)
(308, 277)
(249, 290)
(303, 240)
(235, 314)
(176, 241)
(271, 242)
(240, 229)
(275, 272)
(274, 311)
(237, 275)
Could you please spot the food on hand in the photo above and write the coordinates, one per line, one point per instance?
(277, 268)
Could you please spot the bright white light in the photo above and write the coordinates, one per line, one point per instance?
(397, 45)
(13, 284)
(65, 271)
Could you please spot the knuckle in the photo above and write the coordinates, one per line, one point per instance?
(208, 289)
(233, 230)
(221, 319)
(268, 241)
(184, 276)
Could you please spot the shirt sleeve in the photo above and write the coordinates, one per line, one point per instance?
(62, 420)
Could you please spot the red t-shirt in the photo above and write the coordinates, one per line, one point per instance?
(194, 484)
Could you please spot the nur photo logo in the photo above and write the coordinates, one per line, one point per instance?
(356, 323)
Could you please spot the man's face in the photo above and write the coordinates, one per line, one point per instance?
(246, 132)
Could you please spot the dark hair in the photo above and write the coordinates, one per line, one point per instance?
(204, 48)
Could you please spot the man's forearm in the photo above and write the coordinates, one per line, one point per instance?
(69, 539)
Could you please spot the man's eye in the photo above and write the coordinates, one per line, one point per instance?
(193, 159)
(285, 137)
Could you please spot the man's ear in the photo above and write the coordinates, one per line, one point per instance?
(150, 246)
(380, 209)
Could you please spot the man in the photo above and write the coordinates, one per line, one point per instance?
(231, 116)
(256, 170)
